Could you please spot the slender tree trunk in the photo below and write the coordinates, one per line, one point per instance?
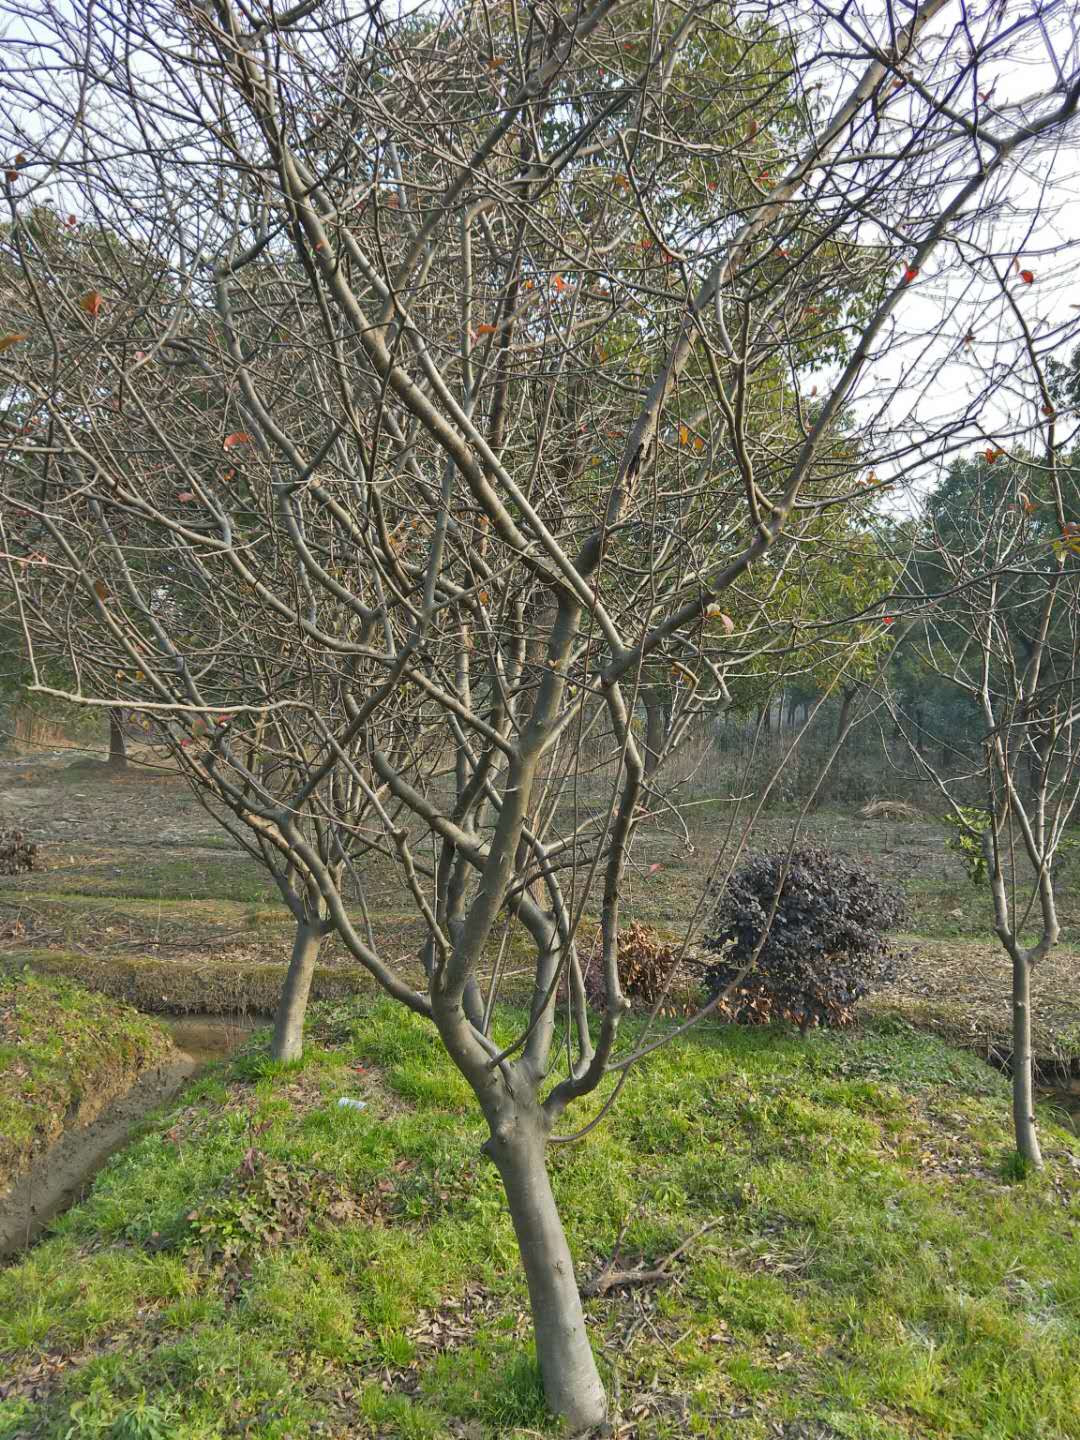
(572, 1382)
(288, 1042)
(844, 718)
(1023, 1085)
(117, 742)
(654, 728)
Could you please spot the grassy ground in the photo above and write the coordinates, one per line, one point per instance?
(64, 1054)
(265, 1264)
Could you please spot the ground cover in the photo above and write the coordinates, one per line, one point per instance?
(264, 1263)
(65, 1053)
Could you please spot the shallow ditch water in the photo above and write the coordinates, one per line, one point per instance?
(60, 1178)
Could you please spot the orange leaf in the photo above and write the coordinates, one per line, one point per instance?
(1028, 277)
(495, 62)
(238, 437)
(684, 435)
(993, 455)
(11, 175)
(229, 475)
(560, 284)
(751, 130)
(483, 597)
(486, 329)
(6, 341)
(91, 302)
(394, 202)
(910, 274)
(699, 443)
(101, 590)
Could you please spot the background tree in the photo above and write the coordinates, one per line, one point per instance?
(431, 534)
(1000, 626)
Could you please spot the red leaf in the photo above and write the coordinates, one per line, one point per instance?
(993, 455)
(238, 437)
(1028, 277)
(186, 496)
(1049, 411)
(72, 220)
(910, 274)
(91, 302)
(888, 619)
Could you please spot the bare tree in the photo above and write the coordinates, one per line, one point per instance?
(997, 578)
(459, 387)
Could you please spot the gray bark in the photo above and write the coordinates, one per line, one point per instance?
(572, 1383)
(288, 1042)
(1023, 1084)
(655, 726)
(117, 742)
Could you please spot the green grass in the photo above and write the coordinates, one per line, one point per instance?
(62, 1050)
(265, 1264)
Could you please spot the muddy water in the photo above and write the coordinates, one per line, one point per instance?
(62, 1176)
(209, 1037)
(1067, 1103)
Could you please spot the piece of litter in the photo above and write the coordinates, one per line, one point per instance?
(348, 1103)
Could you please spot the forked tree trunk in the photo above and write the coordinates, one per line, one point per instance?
(572, 1383)
(288, 1042)
(117, 742)
(1023, 1082)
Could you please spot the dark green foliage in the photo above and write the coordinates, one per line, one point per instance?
(822, 949)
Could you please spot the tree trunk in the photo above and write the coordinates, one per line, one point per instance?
(288, 1042)
(844, 718)
(1023, 1085)
(117, 742)
(654, 729)
(572, 1382)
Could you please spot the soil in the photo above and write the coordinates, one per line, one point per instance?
(59, 1177)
